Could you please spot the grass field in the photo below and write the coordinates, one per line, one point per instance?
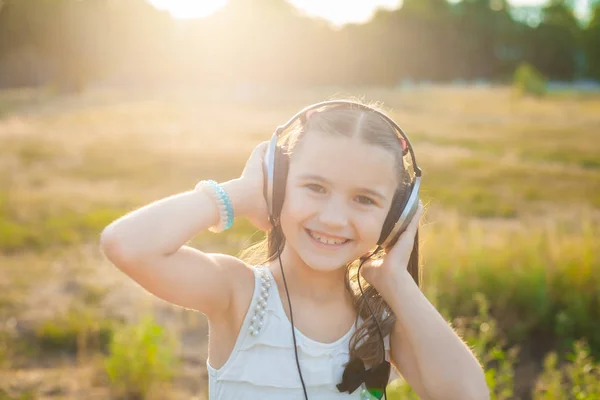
(510, 241)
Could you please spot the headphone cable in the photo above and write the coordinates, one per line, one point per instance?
(292, 323)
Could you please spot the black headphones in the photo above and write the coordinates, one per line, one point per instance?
(276, 166)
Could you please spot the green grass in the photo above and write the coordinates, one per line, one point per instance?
(510, 247)
(539, 278)
(26, 395)
(39, 231)
(78, 331)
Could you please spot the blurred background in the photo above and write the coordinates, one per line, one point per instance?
(75, 44)
(108, 105)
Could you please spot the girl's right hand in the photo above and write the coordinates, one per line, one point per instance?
(249, 190)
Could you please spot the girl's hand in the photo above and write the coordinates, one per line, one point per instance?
(380, 272)
(248, 190)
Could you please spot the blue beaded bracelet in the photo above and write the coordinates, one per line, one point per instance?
(224, 205)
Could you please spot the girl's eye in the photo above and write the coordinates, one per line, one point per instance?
(364, 200)
(316, 188)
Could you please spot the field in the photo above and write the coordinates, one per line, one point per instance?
(510, 240)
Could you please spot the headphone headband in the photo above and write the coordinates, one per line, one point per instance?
(364, 107)
(274, 156)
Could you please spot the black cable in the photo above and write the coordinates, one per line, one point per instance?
(371, 311)
(292, 323)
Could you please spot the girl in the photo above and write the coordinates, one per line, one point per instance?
(326, 190)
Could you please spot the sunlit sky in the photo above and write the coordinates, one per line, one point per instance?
(338, 12)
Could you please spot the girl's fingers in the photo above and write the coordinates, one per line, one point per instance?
(256, 157)
(262, 146)
(260, 150)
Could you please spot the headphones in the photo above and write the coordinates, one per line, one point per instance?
(276, 165)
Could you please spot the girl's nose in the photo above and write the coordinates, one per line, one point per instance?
(333, 214)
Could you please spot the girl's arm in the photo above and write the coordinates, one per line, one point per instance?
(427, 351)
(148, 244)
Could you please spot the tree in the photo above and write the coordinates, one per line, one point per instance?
(592, 42)
(557, 41)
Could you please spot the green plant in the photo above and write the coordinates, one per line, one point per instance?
(527, 80)
(482, 335)
(579, 377)
(142, 356)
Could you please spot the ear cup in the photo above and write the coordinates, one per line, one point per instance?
(268, 166)
(280, 173)
(266, 185)
(399, 203)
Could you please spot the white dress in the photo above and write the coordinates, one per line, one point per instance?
(262, 364)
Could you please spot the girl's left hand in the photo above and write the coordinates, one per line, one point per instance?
(386, 270)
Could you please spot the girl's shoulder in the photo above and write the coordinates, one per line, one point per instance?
(243, 277)
(240, 274)
(226, 326)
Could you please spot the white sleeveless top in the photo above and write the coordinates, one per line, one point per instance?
(262, 364)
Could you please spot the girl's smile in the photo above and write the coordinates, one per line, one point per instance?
(325, 241)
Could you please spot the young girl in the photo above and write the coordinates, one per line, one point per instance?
(299, 324)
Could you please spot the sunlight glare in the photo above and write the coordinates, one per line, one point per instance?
(340, 12)
(187, 9)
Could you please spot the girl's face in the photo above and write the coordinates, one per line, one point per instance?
(338, 193)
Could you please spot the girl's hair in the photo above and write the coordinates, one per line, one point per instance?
(373, 129)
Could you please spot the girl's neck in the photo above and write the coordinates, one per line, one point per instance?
(307, 283)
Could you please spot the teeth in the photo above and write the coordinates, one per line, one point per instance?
(326, 240)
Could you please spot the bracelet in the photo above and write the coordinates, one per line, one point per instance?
(224, 205)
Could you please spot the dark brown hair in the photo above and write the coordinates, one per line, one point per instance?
(373, 129)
